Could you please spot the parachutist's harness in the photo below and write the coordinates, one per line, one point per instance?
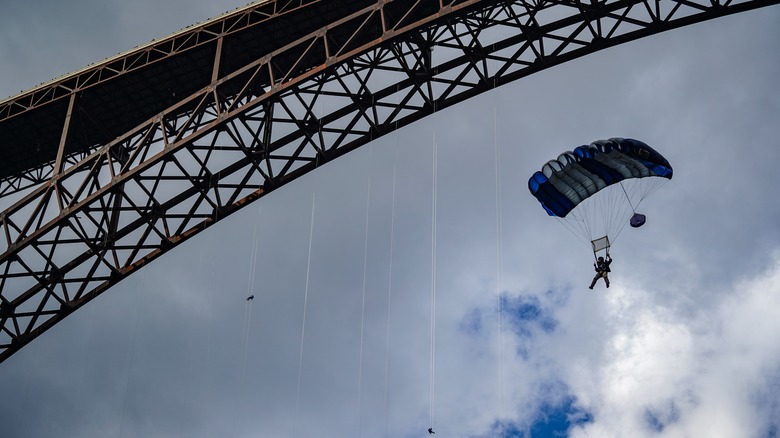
(603, 265)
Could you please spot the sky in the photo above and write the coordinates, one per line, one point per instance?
(349, 263)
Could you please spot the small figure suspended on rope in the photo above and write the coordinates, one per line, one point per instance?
(602, 269)
(430, 431)
(250, 298)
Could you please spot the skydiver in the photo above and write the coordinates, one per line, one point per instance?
(430, 431)
(250, 298)
(602, 269)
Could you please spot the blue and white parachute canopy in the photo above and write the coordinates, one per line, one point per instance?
(574, 176)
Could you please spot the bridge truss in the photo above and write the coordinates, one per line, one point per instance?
(110, 167)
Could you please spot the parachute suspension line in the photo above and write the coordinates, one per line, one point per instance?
(569, 223)
(640, 189)
(499, 265)
(579, 221)
(434, 194)
(628, 198)
(622, 214)
(616, 211)
(363, 298)
(389, 297)
(650, 187)
(303, 319)
(610, 204)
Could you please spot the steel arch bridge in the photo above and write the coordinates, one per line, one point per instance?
(110, 167)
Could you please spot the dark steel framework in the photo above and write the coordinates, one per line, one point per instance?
(112, 166)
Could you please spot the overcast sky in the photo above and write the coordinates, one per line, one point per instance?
(686, 341)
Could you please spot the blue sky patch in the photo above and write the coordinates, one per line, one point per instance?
(524, 314)
(552, 421)
(556, 420)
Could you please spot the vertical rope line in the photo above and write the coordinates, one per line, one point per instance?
(250, 290)
(84, 353)
(244, 348)
(499, 263)
(389, 296)
(390, 275)
(200, 367)
(434, 194)
(211, 293)
(363, 299)
(131, 356)
(247, 325)
(303, 319)
(253, 258)
(432, 375)
(208, 363)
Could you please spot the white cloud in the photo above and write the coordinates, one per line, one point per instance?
(701, 375)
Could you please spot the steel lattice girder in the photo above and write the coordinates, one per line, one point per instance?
(107, 214)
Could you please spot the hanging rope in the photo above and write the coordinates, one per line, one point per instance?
(245, 338)
(363, 298)
(389, 296)
(303, 319)
(499, 264)
(90, 317)
(432, 372)
(250, 297)
(201, 374)
(211, 284)
(131, 354)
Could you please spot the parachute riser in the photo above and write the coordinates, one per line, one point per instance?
(628, 198)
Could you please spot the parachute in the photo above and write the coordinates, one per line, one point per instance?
(595, 189)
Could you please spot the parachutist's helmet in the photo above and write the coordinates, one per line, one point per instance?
(601, 259)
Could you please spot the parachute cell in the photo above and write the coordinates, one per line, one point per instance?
(564, 183)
